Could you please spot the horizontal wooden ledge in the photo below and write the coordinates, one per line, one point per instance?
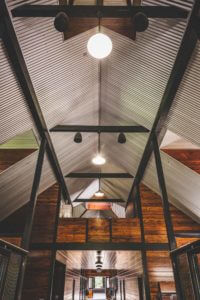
(92, 11)
(99, 129)
(100, 246)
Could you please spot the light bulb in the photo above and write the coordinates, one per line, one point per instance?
(98, 160)
(99, 45)
(99, 194)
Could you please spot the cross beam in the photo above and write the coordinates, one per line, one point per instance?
(99, 200)
(98, 129)
(92, 11)
(100, 246)
(99, 175)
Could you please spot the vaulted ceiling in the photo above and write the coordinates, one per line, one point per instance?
(72, 90)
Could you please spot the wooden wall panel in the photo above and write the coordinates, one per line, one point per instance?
(126, 230)
(45, 215)
(154, 223)
(37, 275)
(74, 230)
(181, 222)
(188, 157)
(71, 230)
(9, 157)
(12, 240)
(159, 269)
(98, 230)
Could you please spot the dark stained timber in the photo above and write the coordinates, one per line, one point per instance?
(100, 246)
(99, 175)
(98, 129)
(92, 11)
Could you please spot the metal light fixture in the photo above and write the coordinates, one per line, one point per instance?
(99, 159)
(99, 194)
(78, 138)
(99, 263)
(61, 22)
(140, 22)
(122, 138)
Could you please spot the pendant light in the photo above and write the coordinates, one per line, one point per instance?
(99, 45)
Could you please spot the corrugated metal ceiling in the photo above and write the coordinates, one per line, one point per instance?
(66, 81)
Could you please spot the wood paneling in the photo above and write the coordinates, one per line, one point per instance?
(37, 275)
(74, 230)
(104, 273)
(188, 157)
(159, 263)
(154, 223)
(99, 206)
(12, 240)
(98, 230)
(14, 224)
(45, 216)
(126, 230)
(71, 230)
(9, 157)
(39, 262)
(122, 26)
(159, 269)
(181, 222)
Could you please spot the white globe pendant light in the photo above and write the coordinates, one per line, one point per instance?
(99, 46)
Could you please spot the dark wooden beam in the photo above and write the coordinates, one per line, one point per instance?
(30, 213)
(187, 234)
(92, 11)
(18, 63)
(99, 175)
(100, 200)
(98, 129)
(183, 56)
(33, 198)
(164, 196)
(196, 26)
(100, 246)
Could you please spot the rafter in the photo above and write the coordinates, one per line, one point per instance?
(99, 175)
(99, 129)
(92, 11)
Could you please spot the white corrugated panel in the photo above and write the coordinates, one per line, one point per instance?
(184, 4)
(134, 76)
(66, 84)
(184, 117)
(15, 117)
(183, 184)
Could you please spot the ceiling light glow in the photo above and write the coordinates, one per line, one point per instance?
(99, 46)
(99, 194)
(98, 160)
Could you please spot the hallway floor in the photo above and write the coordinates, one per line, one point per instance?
(99, 296)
